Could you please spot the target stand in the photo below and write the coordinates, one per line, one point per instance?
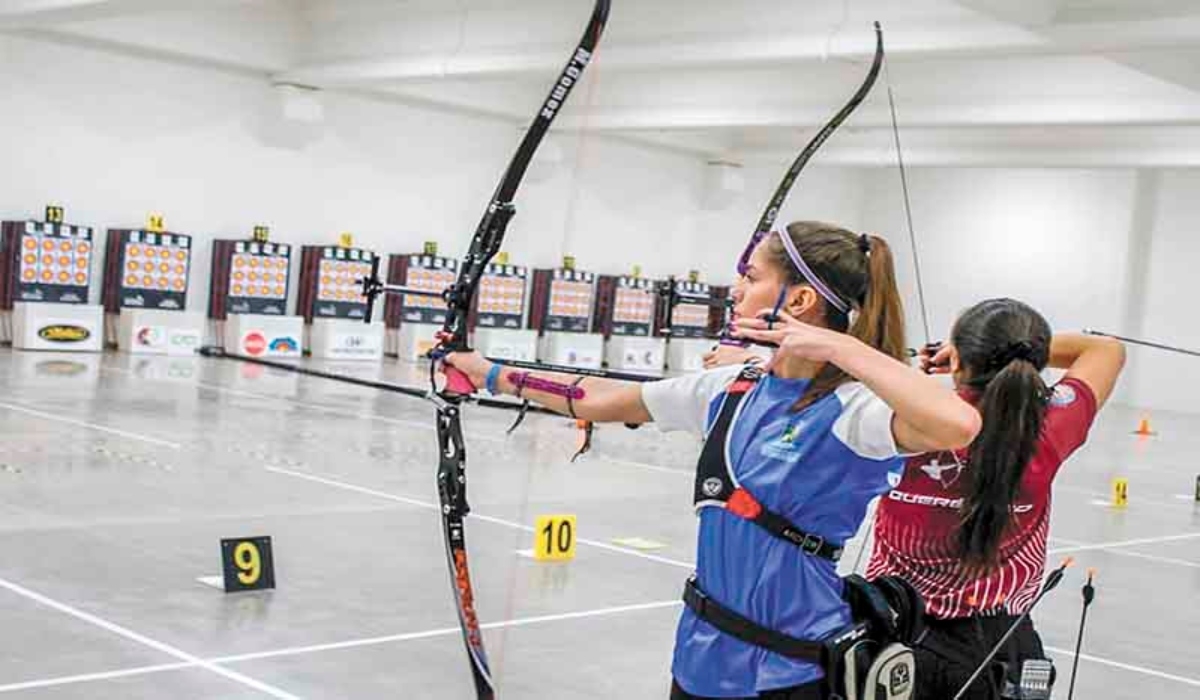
(332, 304)
(145, 293)
(625, 312)
(45, 275)
(248, 299)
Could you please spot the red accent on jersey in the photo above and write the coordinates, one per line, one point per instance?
(741, 386)
(743, 505)
(915, 533)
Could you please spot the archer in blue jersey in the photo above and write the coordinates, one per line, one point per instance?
(791, 457)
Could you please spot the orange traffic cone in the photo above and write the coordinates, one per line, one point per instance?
(1144, 427)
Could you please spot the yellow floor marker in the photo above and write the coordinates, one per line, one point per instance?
(554, 538)
(1120, 492)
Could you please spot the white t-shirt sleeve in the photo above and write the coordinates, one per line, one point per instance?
(682, 403)
(865, 425)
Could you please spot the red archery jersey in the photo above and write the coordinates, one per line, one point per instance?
(918, 520)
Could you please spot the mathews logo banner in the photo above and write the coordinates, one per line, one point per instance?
(64, 333)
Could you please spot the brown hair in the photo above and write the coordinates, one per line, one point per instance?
(866, 279)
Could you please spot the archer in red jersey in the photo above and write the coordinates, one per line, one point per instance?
(968, 528)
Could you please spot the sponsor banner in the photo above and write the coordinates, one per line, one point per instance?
(65, 333)
(283, 345)
(254, 343)
(150, 337)
(355, 345)
(183, 341)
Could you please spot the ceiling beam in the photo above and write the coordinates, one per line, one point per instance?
(1027, 13)
(990, 156)
(1011, 113)
(906, 43)
(21, 14)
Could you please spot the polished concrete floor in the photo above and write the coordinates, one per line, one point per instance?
(120, 475)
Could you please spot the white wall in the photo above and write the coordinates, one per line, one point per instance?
(1110, 250)
(1167, 312)
(114, 137)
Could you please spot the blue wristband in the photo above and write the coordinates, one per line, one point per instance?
(492, 375)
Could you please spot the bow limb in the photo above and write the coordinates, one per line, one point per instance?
(789, 178)
(775, 203)
(485, 243)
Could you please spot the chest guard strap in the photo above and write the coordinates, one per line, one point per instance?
(717, 486)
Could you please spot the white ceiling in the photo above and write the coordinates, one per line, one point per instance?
(977, 82)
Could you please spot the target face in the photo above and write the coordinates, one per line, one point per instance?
(570, 299)
(154, 269)
(53, 263)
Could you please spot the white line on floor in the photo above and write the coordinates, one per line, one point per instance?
(475, 515)
(448, 631)
(325, 408)
(1126, 667)
(91, 426)
(1125, 543)
(647, 467)
(1136, 555)
(89, 677)
(518, 622)
(332, 646)
(147, 641)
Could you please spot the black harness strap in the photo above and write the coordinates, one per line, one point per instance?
(716, 485)
(747, 630)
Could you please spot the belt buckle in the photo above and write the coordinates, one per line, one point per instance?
(812, 544)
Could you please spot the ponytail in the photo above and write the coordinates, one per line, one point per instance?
(880, 322)
(1003, 345)
(1013, 408)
